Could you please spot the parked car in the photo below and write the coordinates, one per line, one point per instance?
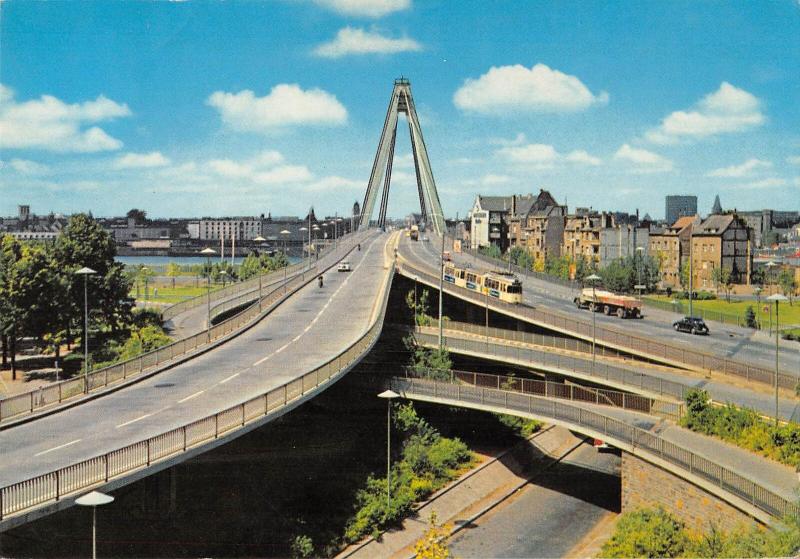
(344, 267)
(691, 324)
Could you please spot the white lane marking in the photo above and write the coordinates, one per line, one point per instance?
(58, 447)
(135, 420)
(314, 320)
(195, 395)
(233, 376)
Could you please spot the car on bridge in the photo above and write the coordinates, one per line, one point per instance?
(345, 267)
(691, 324)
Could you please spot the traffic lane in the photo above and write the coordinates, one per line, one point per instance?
(551, 514)
(729, 342)
(210, 383)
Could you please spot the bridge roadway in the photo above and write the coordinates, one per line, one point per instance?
(624, 375)
(301, 334)
(760, 487)
(740, 344)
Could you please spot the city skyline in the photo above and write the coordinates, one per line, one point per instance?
(224, 109)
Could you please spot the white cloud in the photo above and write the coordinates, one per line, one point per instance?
(350, 40)
(643, 161)
(286, 105)
(50, 124)
(744, 170)
(793, 160)
(582, 157)
(725, 111)
(517, 140)
(492, 179)
(544, 156)
(141, 160)
(771, 182)
(404, 161)
(365, 8)
(26, 167)
(265, 168)
(509, 90)
(334, 183)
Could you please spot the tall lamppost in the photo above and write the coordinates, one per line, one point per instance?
(593, 279)
(777, 297)
(388, 395)
(337, 221)
(757, 292)
(259, 240)
(441, 296)
(303, 230)
(85, 272)
(285, 234)
(145, 272)
(208, 252)
(224, 274)
(316, 230)
(94, 500)
(770, 266)
(640, 286)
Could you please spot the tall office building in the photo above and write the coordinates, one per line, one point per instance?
(678, 206)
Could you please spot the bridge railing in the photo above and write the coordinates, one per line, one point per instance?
(615, 431)
(559, 390)
(652, 349)
(56, 393)
(541, 358)
(98, 470)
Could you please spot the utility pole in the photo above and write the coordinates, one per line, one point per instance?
(441, 294)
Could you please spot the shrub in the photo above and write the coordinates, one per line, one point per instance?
(302, 547)
(750, 317)
(446, 455)
(647, 533)
(523, 427)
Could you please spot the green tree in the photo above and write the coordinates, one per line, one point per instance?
(250, 267)
(139, 216)
(617, 276)
(750, 317)
(521, 257)
(788, 284)
(492, 251)
(684, 276)
(722, 281)
(83, 242)
(421, 312)
(173, 271)
(302, 547)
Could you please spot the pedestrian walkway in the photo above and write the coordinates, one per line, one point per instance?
(472, 494)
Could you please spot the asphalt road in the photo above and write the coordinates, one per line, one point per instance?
(741, 344)
(550, 515)
(311, 327)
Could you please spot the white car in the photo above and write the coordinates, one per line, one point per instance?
(344, 267)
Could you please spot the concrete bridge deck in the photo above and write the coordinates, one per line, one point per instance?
(659, 382)
(303, 334)
(732, 350)
(761, 488)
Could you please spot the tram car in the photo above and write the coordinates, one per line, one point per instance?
(500, 285)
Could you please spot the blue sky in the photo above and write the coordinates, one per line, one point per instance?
(211, 108)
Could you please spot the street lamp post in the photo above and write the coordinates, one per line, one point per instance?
(259, 240)
(388, 395)
(85, 272)
(441, 295)
(208, 252)
(224, 274)
(757, 292)
(145, 271)
(770, 266)
(94, 500)
(285, 233)
(777, 297)
(593, 279)
(316, 236)
(641, 287)
(303, 230)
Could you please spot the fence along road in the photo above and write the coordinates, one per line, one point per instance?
(525, 349)
(68, 391)
(414, 266)
(255, 377)
(749, 495)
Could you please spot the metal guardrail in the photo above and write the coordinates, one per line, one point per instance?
(571, 392)
(29, 402)
(679, 307)
(56, 393)
(614, 431)
(25, 495)
(494, 348)
(651, 349)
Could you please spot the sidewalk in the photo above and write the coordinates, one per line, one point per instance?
(472, 494)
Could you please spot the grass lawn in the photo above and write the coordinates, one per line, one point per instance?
(789, 314)
(169, 294)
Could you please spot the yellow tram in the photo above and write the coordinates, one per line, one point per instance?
(500, 285)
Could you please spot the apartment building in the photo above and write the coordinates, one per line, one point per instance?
(540, 228)
(491, 216)
(582, 234)
(721, 241)
(240, 228)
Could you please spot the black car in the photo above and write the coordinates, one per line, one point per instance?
(691, 324)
